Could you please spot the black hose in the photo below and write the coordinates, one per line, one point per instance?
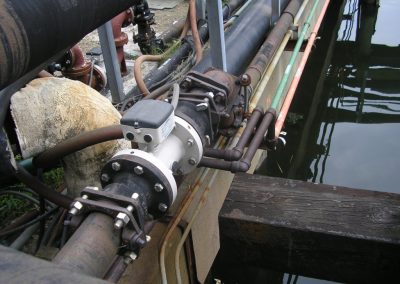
(89, 138)
(21, 195)
(28, 224)
(154, 77)
(42, 189)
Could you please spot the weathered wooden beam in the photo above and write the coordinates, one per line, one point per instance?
(321, 231)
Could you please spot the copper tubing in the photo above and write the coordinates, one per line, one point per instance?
(42, 189)
(293, 86)
(195, 31)
(51, 156)
(137, 71)
(186, 26)
(236, 152)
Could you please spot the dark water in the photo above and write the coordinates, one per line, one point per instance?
(344, 124)
(344, 127)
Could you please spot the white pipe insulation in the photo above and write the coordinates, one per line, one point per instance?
(50, 110)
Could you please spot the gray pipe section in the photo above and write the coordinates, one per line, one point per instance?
(244, 38)
(35, 30)
(91, 248)
(18, 267)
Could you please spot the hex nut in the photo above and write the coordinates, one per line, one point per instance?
(192, 161)
(138, 170)
(135, 195)
(132, 255)
(78, 205)
(190, 142)
(162, 207)
(158, 187)
(123, 217)
(116, 166)
(105, 178)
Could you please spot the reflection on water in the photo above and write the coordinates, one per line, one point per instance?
(344, 125)
(350, 111)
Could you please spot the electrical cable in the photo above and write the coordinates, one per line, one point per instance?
(20, 194)
(42, 189)
(28, 224)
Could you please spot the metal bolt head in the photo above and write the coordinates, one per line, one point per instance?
(123, 217)
(132, 255)
(148, 238)
(93, 188)
(138, 170)
(192, 161)
(135, 195)
(105, 177)
(158, 187)
(162, 207)
(78, 205)
(130, 208)
(85, 196)
(116, 166)
(190, 142)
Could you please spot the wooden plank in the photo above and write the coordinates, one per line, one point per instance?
(316, 230)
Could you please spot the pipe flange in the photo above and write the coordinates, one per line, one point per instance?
(193, 147)
(146, 166)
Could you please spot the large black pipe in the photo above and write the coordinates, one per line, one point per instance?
(33, 31)
(155, 78)
(244, 38)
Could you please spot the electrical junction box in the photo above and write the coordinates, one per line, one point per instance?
(148, 122)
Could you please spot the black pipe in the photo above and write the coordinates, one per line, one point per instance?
(243, 165)
(33, 31)
(244, 38)
(265, 54)
(155, 78)
(236, 152)
(51, 156)
(41, 189)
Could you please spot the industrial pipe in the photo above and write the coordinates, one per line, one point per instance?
(51, 156)
(279, 95)
(42, 189)
(236, 152)
(33, 31)
(244, 38)
(82, 254)
(266, 52)
(120, 38)
(155, 78)
(243, 165)
(293, 86)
